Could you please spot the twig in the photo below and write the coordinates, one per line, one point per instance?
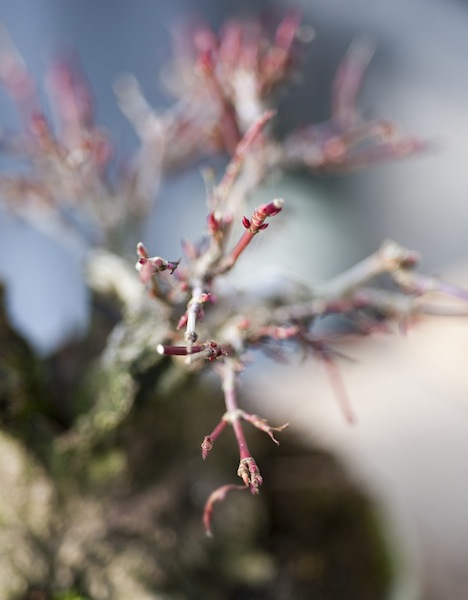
(217, 496)
(253, 225)
(348, 82)
(221, 191)
(389, 258)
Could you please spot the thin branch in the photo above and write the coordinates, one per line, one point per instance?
(221, 191)
(209, 440)
(348, 82)
(227, 122)
(192, 314)
(210, 351)
(253, 225)
(248, 470)
(263, 425)
(388, 258)
(177, 350)
(217, 496)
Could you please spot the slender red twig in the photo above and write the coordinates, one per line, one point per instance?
(209, 440)
(210, 351)
(242, 150)
(232, 408)
(248, 470)
(253, 225)
(217, 496)
(177, 350)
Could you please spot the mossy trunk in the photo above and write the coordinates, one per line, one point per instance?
(103, 485)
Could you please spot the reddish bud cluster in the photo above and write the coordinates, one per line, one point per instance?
(257, 221)
(249, 472)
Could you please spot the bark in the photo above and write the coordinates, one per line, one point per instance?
(103, 485)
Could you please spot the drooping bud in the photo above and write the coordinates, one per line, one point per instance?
(249, 472)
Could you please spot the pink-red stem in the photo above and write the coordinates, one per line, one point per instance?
(253, 226)
(232, 407)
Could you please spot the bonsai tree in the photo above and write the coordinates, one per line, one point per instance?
(102, 432)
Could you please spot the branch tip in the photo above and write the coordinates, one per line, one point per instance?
(206, 446)
(249, 472)
(217, 496)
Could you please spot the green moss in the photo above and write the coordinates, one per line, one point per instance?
(69, 595)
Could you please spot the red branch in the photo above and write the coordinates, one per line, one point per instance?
(217, 496)
(242, 150)
(253, 225)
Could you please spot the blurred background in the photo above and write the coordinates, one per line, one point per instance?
(410, 395)
(416, 78)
